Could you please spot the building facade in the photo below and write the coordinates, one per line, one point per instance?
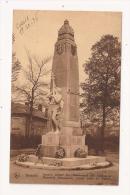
(20, 118)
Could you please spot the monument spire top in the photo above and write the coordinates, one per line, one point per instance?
(66, 22)
(66, 29)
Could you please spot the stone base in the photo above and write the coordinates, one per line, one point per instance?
(72, 162)
(68, 163)
(51, 141)
(50, 151)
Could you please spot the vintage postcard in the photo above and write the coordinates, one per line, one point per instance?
(65, 104)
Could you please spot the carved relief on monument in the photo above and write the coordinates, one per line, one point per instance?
(60, 48)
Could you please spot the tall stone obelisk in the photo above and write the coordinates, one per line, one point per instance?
(65, 69)
(65, 140)
(65, 79)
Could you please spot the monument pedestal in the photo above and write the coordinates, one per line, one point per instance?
(90, 161)
(70, 143)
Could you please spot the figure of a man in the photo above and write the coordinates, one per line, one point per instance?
(56, 107)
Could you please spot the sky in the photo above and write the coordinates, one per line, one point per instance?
(37, 32)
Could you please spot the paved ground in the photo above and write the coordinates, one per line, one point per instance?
(104, 176)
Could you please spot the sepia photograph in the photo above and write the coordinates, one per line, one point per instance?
(65, 97)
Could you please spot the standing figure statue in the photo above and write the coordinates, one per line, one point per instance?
(55, 107)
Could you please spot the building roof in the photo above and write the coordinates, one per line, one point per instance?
(18, 108)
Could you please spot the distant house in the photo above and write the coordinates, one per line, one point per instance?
(20, 120)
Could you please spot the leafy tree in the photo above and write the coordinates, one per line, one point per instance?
(101, 89)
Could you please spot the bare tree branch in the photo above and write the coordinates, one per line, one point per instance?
(35, 88)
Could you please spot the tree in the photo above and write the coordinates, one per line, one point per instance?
(101, 89)
(34, 87)
(16, 65)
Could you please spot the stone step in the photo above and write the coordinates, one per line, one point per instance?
(70, 162)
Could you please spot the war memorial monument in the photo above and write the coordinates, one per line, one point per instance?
(64, 144)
